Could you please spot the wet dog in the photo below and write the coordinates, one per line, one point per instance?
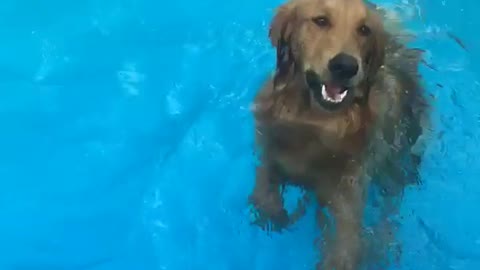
(343, 109)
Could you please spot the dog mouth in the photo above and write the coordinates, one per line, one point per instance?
(329, 94)
(333, 93)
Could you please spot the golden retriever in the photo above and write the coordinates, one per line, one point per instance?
(343, 109)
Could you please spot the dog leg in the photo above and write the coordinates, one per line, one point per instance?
(268, 201)
(342, 250)
(386, 231)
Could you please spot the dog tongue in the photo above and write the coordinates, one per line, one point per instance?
(333, 90)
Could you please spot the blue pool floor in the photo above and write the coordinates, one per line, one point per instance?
(126, 138)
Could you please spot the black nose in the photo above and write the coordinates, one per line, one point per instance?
(343, 66)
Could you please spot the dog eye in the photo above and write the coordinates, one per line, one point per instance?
(321, 21)
(364, 30)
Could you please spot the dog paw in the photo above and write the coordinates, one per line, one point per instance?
(337, 266)
(272, 222)
(338, 262)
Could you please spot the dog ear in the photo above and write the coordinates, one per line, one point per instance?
(375, 56)
(280, 34)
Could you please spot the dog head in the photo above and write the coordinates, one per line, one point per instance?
(335, 46)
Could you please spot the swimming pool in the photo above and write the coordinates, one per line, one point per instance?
(126, 139)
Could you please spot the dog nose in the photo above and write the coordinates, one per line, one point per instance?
(343, 66)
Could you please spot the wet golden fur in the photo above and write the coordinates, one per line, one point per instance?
(338, 154)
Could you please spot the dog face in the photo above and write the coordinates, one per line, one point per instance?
(335, 46)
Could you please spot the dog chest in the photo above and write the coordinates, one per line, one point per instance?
(302, 153)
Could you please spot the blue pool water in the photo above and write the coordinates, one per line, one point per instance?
(126, 138)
